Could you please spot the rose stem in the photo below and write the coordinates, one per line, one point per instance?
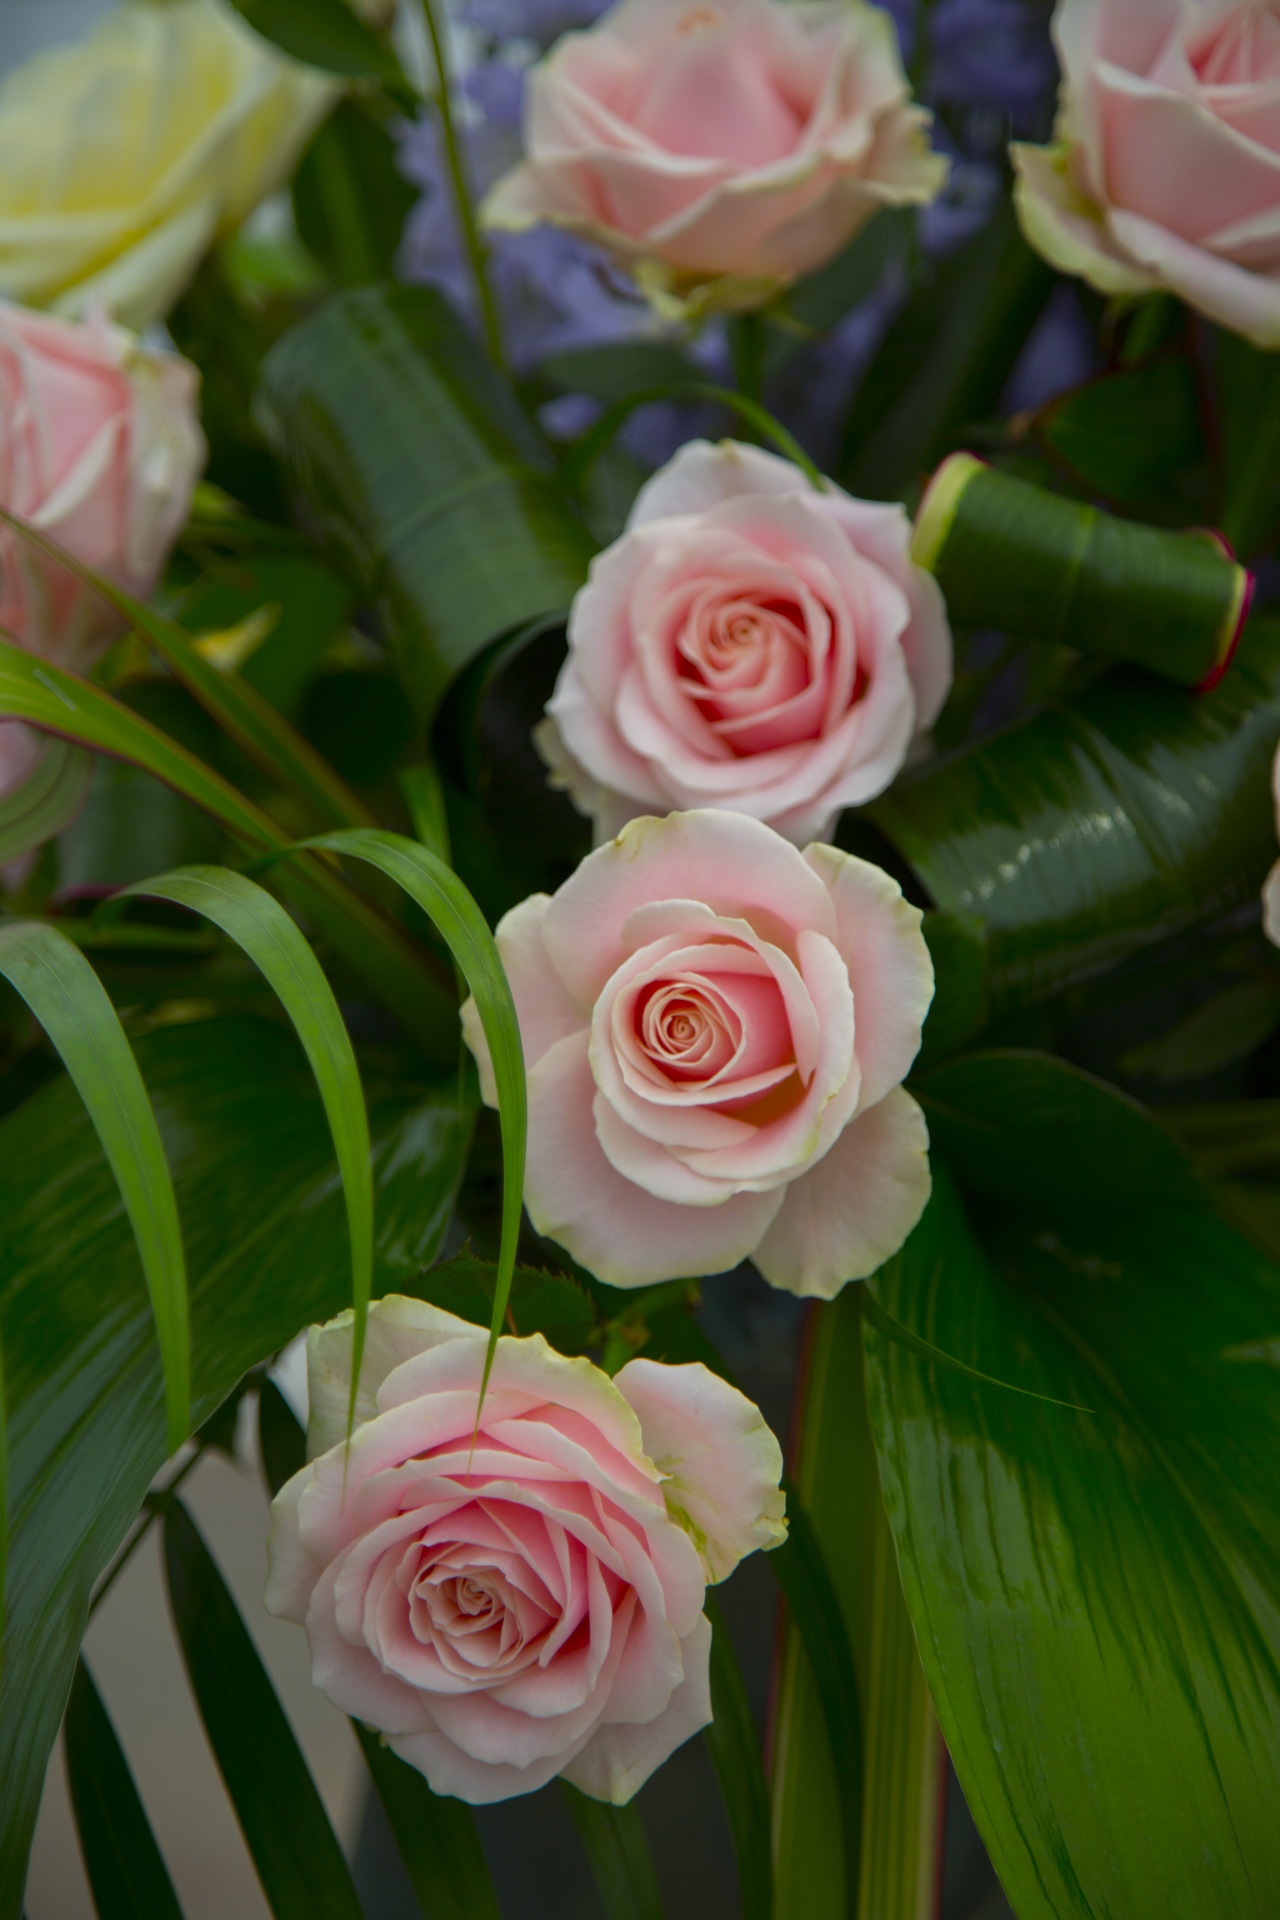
(477, 253)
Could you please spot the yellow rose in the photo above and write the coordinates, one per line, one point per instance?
(124, 156)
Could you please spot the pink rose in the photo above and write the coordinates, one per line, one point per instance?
(100, 446)
(1166, 172)
(744, 141)
(520, 1599)
(749, 643)
(715, 1027)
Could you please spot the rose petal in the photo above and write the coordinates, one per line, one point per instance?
(618, 1758)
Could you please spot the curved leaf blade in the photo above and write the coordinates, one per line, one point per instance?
(405, 978)
(1096, 1600)
(436, 1837)
(71, 1004)
(326, 34)
(261, 927)
(298, 1860)
(126, 1871)
(442, 896)
(735, 1753)
(47, 798)
(621, 1864)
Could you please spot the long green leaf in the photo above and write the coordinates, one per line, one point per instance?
(69, 1001)
(240, 710)
(327, 34)
(260, 925)
(399, 972)
(1096, 1600)
(46, 799)
(281, 1439)
(429, 483)
(298, 1860)
(618, 1849)
(252, 1160)
(823, 1872)
(444, 899)
(1104, 825)
(436, 1837)
(127, 1875)
(735, 1752)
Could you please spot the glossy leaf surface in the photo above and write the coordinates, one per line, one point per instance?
(423, 476)
(71, 1004)
(126, 1873)
(294, 1848)
(1095, 1595)
(252, 1159)
(1103, 825)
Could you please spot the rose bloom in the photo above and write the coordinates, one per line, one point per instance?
(741, 142)
(100, 447)
(520, 1598)
(1166, 171)
(715, 1026)
(750, 643)
(122, 157)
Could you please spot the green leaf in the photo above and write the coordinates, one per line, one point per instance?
(586, 450)
(327, 34)
(127, 1876)
(547, 1303)
(423, 474)
(1025, 1126)
(261, 927)
(1095, 1599)
(1034, 564)
(1103, 825)
(621, 1864)
(957, 946)
(813, 305)
(46, 799)
(925, 1350)
(944, 360)
(735, 1752)
(131, 826)
(281, 1439)
(1248, 382)
(68, 999)
(616, 372)
(252, 1161)
(307, 604)
(1225, 1029)
(1131, 435)
(825, 1871)
(436, 1836)
(443, 898)
(350, 199)
(399, 971)
(236, 705)
(298, 1860)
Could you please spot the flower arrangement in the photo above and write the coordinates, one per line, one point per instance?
(639, 717)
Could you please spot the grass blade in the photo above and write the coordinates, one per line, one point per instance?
(735, 1752)
(261, 927)
(127, 1874)
(400, 972)
(71, 1004)
(239, 709)
(437, 1838)
(46, 799)
(444, 899)
(298, 1860)
(618, 1849)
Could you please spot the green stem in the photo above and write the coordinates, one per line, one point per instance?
(477, 253)
(747, 343)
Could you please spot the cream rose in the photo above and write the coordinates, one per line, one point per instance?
(519, 1598)
(723, 147)
(1166, 169)
(124, 156)
(749, 643)
(715, 1027)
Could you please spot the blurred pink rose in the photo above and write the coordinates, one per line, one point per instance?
(748, 643)
(715, 1027)
(742, 138)
(100, 447)
(523, 1599)
(1166, 170)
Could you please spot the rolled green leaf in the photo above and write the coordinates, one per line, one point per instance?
(46, 799)
(1012, 556)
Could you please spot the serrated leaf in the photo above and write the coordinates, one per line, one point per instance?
(126, 1872)
(286, 1829)
(252, 1161)
(69, 1001)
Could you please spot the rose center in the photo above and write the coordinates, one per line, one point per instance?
(1241, 50)
(687, 1029)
